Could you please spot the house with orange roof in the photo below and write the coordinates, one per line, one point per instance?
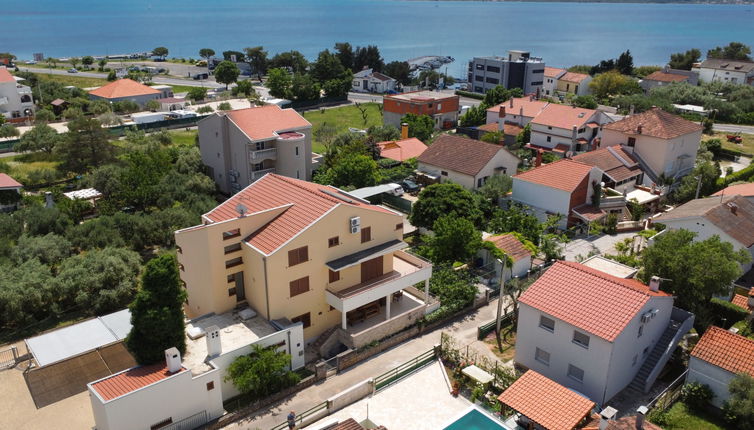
(519, 253)
(370, 81)
(552, 74)
(717, 358)
(573, 83)
(596, 333)
(402, 150)
(516, 110)
(441, 107)
(16, 102)
(668, 76)
(665, 144)
(10, 193)
(744, 302)
(564, 187)
(303, 252)
(240, 146)
(562, 129)
(128, 90)
(744, 190)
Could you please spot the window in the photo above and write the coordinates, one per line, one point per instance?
(538, 71)
(297, 151)
(299, 286)
(493, 69)
(366, 234)
(631, 142)
(234, 262)
(305, 319)
(547, 323)
(439, 107)
(535, 83)
(580, 339)
(333, 241)
(480, 66)
(232, 277)
(230, 234)
(333, 276)
(493, 81)
(399, 226)
(479, 78)
(549, 138)
(575, 373)
(161, 424)
(210, 385)
(641, 330)
(231, 292)
(581, 130)
(260, 146)
(542, 356)
(232, 248)
(443, 173)
(298, 256)
(549, 127)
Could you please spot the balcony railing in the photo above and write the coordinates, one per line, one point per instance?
(259, 173)
(262, 154)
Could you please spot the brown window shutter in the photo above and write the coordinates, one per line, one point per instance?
(293, 257)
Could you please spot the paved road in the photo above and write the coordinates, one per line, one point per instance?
(157, 79)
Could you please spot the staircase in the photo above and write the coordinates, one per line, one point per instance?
(324, 337)
(640, 380)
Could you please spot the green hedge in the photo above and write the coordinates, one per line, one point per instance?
(744, 175)
(734, 152)
(727, 310)
(470, 95)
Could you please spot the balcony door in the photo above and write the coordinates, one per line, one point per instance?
(371, 269)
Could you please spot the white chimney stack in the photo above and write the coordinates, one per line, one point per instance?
(640, 412)
(606, 416)
(214, 347)
(173, 359)
(654, 284)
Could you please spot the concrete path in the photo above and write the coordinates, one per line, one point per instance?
(464, 331)
(603, 244)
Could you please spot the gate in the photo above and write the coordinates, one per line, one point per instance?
(8, 357)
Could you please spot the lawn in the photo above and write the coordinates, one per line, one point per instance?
(20, 166)
(342, 118)
(184, 137)
(181, 88)
(509, 344)
(679, 417)
(746, 146)
(72, 79)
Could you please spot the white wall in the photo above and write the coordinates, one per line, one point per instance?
(717, 378)
(714, 75)
(542, 198)
(504, 159)
(465, 181)
(594, 361)
(659, 154)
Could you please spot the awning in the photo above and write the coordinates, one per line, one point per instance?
(477, 374)
(367, 254)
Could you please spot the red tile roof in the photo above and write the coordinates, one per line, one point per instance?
(563, 174)
(5, 75)
(8, 182)
(123, 88)
(532, 107)
(742, 302)
(720, 212)
(508, 128)
(553, 72)
(265, 122)
(588, 212)
(402, 150)
(131, 380)
(307, 203)
(655, 122)
(573, 77)
(613, 160)
(728, 351)
(746, 190)
(661, 76)
(509, 244)
(459, 154)
(546, 402)
(589, 299)
(562, 116)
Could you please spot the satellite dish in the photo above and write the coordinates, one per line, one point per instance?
(241, 209)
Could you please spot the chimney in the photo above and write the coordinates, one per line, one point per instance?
(521, 116)
(511, 102)
(173, 359)
(574, 134)
(733, 208)
(666, 69)
(49, 203)
(640, 412)
(608, 414)
(639, 129)
(631, 110)
(531, 97)
(214, 347)
(501, 114)
(654, 284)
(404, 131)
(538, 160)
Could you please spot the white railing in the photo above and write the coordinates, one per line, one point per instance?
(259, 173)
(255, 156)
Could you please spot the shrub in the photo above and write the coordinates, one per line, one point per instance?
(611, 223)
(731, 313)
(261, 373)
(224, 106)
(696, 395)
(205, 109)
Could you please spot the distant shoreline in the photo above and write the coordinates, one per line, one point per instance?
(721, 2)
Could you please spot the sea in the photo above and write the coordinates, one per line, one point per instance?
(562, 33)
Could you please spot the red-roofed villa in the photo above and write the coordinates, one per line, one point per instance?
(16, 103)
(128, 90)
(10, 193)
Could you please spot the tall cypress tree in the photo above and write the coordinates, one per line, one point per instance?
(157, 312)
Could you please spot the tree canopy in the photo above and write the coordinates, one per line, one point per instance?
(41, 137)
(455, 239)
(262, 372)
(226, 73)
(421, 127)
(438, 200)
(684, 60)
(257, 57)
(85, 146)
(160, 51)
(733, 51)
(738, 410)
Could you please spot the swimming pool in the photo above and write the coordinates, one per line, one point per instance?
(474, 419)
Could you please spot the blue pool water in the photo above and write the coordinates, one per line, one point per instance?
(474, 420)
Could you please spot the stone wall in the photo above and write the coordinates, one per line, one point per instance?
(351, 395)
(382, 330)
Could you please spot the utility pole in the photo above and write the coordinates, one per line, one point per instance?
(698, 186)
(500, 301)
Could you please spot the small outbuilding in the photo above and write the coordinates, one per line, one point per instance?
(10, 193)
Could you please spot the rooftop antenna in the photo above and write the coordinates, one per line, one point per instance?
(241, 209)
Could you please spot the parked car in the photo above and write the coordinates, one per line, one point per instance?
(72, 70)
(410, 186)
(199, 76)
(395, 190)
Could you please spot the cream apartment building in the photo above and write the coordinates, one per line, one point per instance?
(307, 253)
(241, 146)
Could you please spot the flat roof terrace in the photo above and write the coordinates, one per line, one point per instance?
(421, 96)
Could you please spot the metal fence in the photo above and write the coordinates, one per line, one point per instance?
(300, 418)
(7, 145)
(120, 130)
(190, 423)
(404, 369)
(8, 357)
(669, 395)
(396, 202)
(483, 330)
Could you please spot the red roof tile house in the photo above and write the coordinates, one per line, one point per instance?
(16, 103)
(744, 190)
(517, 110)
(668, 76)
(369, 81)
(561, 128)
(744, 302)
(596, 333)
(573, 83)
(664, 143)
(730, 217)
(441, 107)
(10, 193)
(552, 74)
(513, 248)
(402, 150)
(465, 161)
(300, 251)
(126, 90)
(564, 187)
(242, 145)
(717, 358)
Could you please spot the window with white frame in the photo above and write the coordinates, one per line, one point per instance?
(580, 339)
(575, 373)
(547, 323)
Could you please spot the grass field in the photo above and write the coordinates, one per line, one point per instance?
(76, 81)
(342, 118)
(183, 137)
(747, 145)
(679, 417)
(20, 166)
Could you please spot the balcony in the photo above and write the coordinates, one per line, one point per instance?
(263, 154)
(259, 173)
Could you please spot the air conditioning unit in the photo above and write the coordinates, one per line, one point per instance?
(355, 224)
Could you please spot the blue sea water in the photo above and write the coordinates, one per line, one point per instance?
(563, 33)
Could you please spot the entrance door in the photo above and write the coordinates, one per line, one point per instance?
(366, 85)
(240, 293)
(371, 269)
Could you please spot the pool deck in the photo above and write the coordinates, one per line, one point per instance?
(418, 402)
